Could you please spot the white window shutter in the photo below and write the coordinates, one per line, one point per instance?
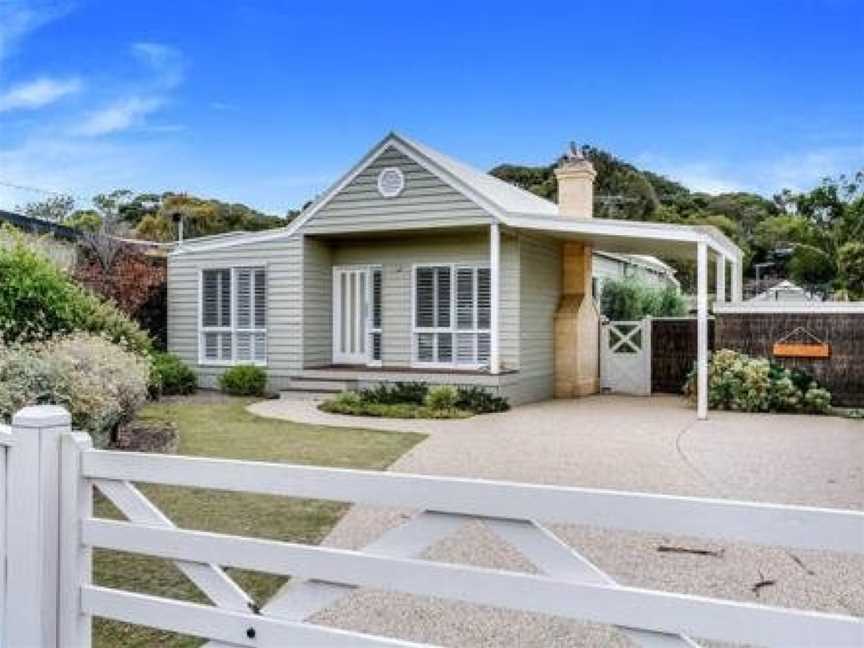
(425, 297)
(443, 297)
(484, 298)
(260, 299)
(244, 298)
(465, 298)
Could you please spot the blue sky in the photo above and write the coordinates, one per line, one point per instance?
(267, 102)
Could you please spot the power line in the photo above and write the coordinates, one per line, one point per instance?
(47, 192)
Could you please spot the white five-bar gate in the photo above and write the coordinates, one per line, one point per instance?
(47, 597)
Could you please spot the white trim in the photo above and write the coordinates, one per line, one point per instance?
(804, 308)
(702, 331)
(233, 329)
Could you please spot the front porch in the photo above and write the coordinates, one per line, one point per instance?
(335, 378)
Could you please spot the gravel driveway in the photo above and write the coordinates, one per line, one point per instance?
(642, 444)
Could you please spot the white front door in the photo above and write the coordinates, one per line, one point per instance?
(350, 315)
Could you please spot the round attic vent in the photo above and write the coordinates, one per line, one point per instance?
(391, 182)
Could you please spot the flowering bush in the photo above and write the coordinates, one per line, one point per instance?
(39, 300)
(101, 384)
(739, 382)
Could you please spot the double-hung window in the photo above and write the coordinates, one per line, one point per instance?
(452, 315)
(233, 316)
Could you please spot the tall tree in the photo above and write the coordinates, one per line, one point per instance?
(55, 209)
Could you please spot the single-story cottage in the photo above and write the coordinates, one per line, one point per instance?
(417, 267)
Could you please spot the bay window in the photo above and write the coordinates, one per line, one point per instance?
(233, 325)
(452, 315)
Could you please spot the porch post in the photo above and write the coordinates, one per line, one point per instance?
(721, 279)
(702, 330)
(737, 280)
(494, 295)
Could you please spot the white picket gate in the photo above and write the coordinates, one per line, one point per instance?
(625, 357)
(50, 598)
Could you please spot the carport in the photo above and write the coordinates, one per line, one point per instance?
(704, 244)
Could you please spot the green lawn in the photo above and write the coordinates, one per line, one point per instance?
(223, 428)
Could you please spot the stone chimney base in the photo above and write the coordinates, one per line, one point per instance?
(577, 327)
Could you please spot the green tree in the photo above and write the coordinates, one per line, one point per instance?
(851, 262)
(55, 209)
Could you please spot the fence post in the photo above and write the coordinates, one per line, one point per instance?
(33, 542)
(76, 504)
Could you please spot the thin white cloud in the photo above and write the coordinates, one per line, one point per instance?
(165, 72)
(119, 116)
(796, 170)
(165, 61)
(38, 93)
(19, 17)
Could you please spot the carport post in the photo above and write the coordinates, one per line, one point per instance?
(737, 279)
(702, 330)
(720, 293)
(494, 296)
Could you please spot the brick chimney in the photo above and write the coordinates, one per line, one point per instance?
(577, 322)
(575, 175)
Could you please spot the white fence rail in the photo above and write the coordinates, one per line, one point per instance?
(568, 585)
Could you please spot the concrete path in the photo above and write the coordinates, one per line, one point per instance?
(641, 444)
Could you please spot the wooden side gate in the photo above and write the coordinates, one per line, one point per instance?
(52, 598)
(625, 357)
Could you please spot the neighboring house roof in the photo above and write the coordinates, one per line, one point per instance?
(786, 291)
(39, 226)
(644, 260)
(509, 205)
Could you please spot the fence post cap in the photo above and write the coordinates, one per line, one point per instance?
(39, 416)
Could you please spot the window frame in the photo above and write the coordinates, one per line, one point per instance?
(453, 329)
(233, 329)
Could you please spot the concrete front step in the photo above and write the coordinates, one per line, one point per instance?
(322, 385)
(301, 395)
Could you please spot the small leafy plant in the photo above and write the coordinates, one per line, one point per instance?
(244, 380)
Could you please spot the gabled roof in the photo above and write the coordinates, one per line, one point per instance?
(509, 205)
(504, 195)
(494, 195)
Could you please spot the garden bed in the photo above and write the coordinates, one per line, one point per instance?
(415, 401)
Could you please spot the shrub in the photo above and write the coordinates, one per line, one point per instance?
(817, 400)
(410, 392)
(39, 300)
(738, 382)
(481, 401)
(442, 398)
(101, 384)
(633, 299)
(170, 376)
(244, 380)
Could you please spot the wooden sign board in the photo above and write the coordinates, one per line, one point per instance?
(801, 350)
